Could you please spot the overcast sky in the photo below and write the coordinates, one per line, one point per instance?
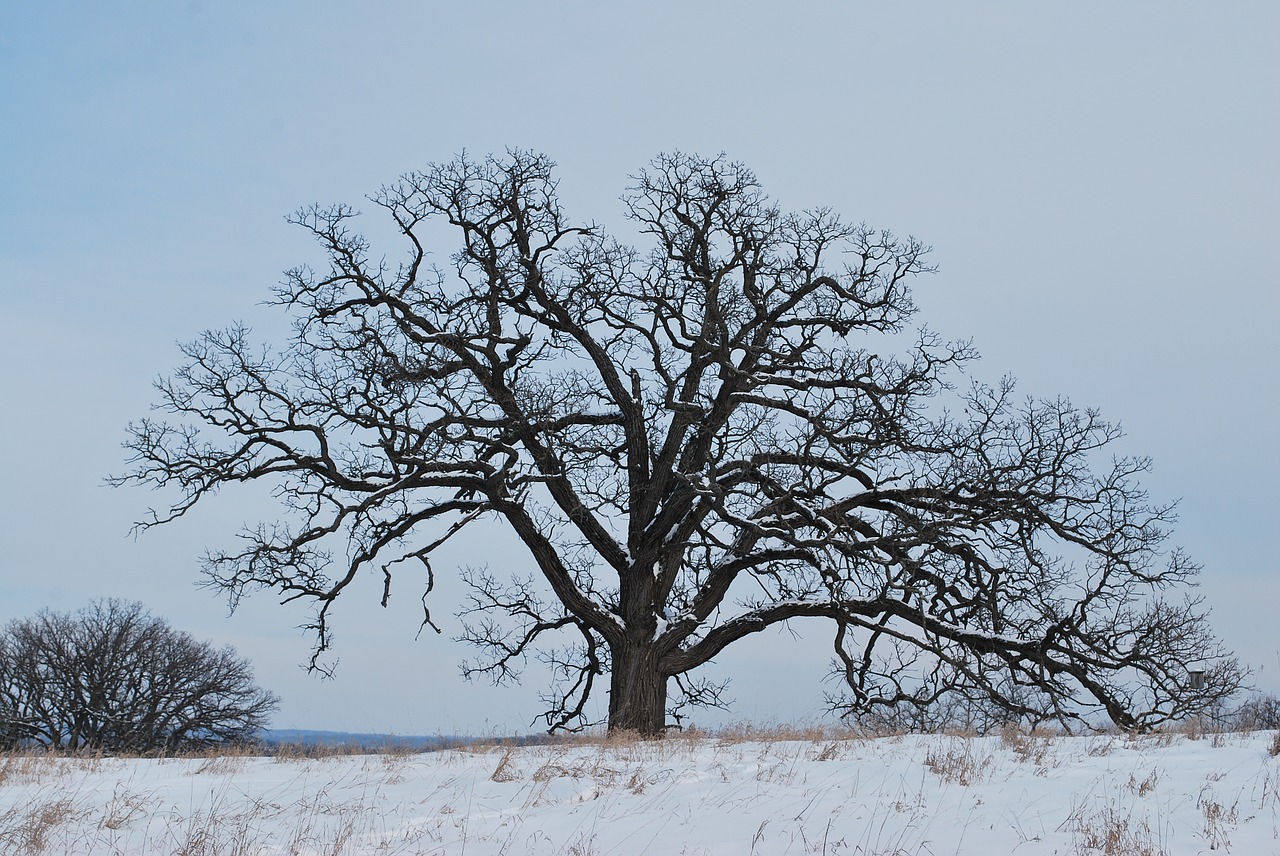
(1100, 183)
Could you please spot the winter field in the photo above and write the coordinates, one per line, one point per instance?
(730, 793)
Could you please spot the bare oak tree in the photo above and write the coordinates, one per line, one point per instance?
(694, 443)
(114, 677)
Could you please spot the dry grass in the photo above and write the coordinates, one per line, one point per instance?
(504, 772)
(960, 761)
(1219, 819)
(1144, 786)
(1029, 745)
(1114, 832)
(20, 767)
(28, 828)
(1268, 791)
(1033, 747)
(220, 765)
(126, 808)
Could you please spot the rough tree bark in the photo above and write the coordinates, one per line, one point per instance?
(637, 689)
(693, 443)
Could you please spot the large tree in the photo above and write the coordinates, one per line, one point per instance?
(731, 429)
(114, 677)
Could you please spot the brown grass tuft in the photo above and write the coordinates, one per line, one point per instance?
(958, 763)
(504, 772)
(1114, 834)
(27, 829)
(1032, 746)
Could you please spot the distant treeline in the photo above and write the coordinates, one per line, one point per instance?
(284, 738)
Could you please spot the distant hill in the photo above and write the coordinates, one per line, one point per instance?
(353, 740)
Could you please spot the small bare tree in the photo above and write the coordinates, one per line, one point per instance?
(693, 443)
(115, 678)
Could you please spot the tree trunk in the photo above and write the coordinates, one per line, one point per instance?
(637, 691)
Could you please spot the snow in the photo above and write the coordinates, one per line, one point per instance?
(928, 794)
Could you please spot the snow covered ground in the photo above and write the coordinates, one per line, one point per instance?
(1018, 794)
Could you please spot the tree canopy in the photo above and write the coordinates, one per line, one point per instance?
(732, 427)
(113, 677)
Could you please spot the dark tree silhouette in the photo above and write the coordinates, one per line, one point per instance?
(113, 677)
(694, 442)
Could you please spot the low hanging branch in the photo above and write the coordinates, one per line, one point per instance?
(693, 443)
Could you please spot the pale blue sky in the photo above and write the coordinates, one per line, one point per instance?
(1100, 181)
